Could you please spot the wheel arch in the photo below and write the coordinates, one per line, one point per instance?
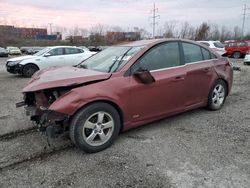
(224, 80)
(236, 51)
(227, 85)
(113, 104)
(30, 64)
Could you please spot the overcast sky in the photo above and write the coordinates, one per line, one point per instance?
(124, 13)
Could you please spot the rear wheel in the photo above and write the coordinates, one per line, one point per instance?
(95, 127)
(236, 55)
(217, 95)
(29, 70)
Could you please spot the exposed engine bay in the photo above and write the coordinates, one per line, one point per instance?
(37, 107)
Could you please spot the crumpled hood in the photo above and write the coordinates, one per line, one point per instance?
(63, 77)
(22, 58)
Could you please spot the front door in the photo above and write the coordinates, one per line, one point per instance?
(56, 58)
(165, 95)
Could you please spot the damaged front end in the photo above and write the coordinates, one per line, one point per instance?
(37, 107)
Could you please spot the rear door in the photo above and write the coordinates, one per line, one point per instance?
(200, 73)
(73, 56)
(165, 95)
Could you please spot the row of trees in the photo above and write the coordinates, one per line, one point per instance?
(101, 34)
(205, 31)
(171, 29)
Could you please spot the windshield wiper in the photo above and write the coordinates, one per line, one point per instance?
(119, 62)
(112, 65)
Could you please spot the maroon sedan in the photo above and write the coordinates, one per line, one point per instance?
(126, 86)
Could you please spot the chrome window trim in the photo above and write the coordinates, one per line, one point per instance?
(181, 65)
(167, 68)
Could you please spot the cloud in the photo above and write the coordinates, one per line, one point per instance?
(123, 13)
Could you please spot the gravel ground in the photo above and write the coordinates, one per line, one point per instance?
(199, 148)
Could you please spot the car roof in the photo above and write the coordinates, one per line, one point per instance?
(208, 41)
(153, 41)
(52, 47)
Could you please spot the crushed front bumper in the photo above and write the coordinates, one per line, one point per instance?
(46, 120)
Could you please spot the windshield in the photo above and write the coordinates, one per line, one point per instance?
(13, 48)
(218, 45)
(111, 59)
(41, 52)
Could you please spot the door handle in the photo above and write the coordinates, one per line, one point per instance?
(206, 69)
(178, 78)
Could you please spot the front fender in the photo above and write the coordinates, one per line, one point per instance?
(75, 99)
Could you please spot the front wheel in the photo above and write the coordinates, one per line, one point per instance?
(217, 95)
(95, 127)
(29, 70)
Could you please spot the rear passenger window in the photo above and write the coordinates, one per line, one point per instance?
(192, 53)
(231, 44)
(241, 44)
(205, 43)
(206, 54)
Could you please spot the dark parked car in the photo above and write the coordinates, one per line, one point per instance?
(3, 52)
(94, 48)
(34, 50)
(125, 86)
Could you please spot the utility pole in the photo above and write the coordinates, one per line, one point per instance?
(244, 19)
(154, 11)
(50, 25)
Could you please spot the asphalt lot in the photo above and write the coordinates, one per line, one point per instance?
(199, 148)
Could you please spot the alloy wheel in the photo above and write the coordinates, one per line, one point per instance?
(98, 128)
(218, 95)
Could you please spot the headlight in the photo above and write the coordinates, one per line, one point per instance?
(12, 63)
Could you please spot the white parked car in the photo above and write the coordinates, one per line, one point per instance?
(48, 57)
(13, 50)
(247, 58)
(215, 45)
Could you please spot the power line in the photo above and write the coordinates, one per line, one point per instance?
(244, 19)
(154, 11)
(50, 25)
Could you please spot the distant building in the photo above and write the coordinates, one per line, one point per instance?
(8, 30)
(54, 36)
(21, 32)
(75, 39)
(30, 32)
(132, 35)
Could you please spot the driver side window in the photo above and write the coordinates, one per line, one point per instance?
(160, 57)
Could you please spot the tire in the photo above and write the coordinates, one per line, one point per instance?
(236, 55)
(29, 70)
(217, 95)
(95, 127)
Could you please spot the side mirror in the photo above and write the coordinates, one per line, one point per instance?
(47, 55)
(144, 76)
